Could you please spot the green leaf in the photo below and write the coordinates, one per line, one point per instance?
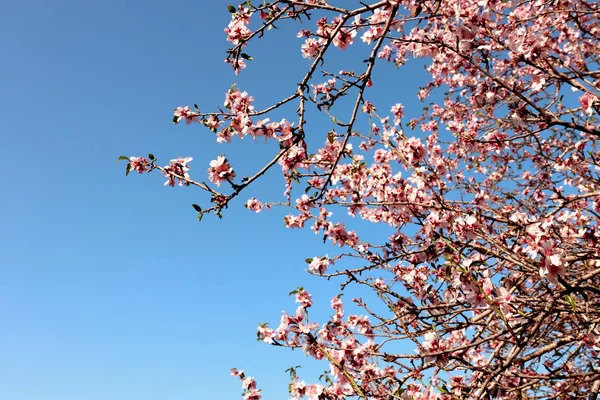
(292, 292)
(443, 389)
(246, 57)
(122, 158)
(231, 9)
(197, 208)
(570, 300)
(128, 169)
(151, 156)
(175, 119)
(331, 136)
(309, 260)
(200, 215)
(196, 107)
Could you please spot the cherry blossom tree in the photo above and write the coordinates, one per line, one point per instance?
(492, 194)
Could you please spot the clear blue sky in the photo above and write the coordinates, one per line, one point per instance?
(109, 288)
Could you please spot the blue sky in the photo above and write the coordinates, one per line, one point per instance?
(109, 288)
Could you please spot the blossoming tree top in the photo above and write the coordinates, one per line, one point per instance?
(492, 274)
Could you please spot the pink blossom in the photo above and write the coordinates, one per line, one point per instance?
(248, 383)
(368, 107)
(177, 170)
(304, 298)
(185, 113)
(213, 123)
(318, 265)
(298, 389)
(414, 151)
(385, 53)
(220, 171)
(266, 334)
(252, 394)
(552, 267)
(311, 48)
(254, 205)
(340, 236)
(587, 101)
(343, 39)
(313, 392)
(139, 164)
(398, 112)
(237, 65)
(238, 101)
(237, 31)
(304, 203)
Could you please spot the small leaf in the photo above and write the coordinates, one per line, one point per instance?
(246, 57)
(331, 137)
(196, 107)
(175, 119)
(197, 208)
(128, 169)
(309, 260)
(151, 156)
(570, 300)
(231, 9)
(292, 292)
(200, 215)
(443, 389)
(122, 158)
(417, 10)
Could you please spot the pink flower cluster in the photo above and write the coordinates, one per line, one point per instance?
(177, 170)
(220, 171)
(251, 392)
(319, 265)
(238, 33)
(254, 205)
(139, 164)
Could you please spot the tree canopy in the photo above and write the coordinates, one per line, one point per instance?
(492, 194)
